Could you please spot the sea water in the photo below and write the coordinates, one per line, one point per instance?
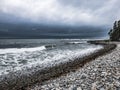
(18, 54)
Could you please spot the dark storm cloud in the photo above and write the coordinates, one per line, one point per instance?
(67, 12)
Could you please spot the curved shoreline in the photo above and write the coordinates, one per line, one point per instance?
(41, 75)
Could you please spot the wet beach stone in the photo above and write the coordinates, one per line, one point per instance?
(103, 73)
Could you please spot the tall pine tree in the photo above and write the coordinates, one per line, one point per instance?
(115, 32)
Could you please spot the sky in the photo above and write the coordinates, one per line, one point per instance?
(61, 12)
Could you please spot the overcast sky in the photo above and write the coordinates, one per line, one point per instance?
(66, 12)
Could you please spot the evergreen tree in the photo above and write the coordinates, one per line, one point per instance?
(115, 32)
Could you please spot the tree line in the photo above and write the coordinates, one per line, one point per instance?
(114, 33)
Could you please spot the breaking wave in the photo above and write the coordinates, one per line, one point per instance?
(20, 50)
(46, 55)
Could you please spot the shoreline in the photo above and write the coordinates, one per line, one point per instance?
(9, 83)
(103, 73)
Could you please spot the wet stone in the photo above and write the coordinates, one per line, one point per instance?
(84, 76)
(118, 88)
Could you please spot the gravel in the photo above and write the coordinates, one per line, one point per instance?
(103, 73)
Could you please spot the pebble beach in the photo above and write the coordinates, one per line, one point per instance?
(103, 73)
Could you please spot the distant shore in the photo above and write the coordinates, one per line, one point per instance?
(13, 81)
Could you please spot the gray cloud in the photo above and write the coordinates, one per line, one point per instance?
(85, 4)
(67, 12)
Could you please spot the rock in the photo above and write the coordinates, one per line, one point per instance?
(57, 89)
(117, 83)
(84, 76)
(103, 73)
(73, 87)
(93, 73)
(110, 87)
(89, 68)
(79, 88)
(117, 88)
(94, 86)
(95, 69)
(102, 88)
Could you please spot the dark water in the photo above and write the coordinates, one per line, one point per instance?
(16, 54)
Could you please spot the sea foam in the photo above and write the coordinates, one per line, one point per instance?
(18, 59)
(20, 50)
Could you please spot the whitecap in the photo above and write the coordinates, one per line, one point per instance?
(20, 50)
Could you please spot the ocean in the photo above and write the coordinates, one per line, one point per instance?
(19, 54)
